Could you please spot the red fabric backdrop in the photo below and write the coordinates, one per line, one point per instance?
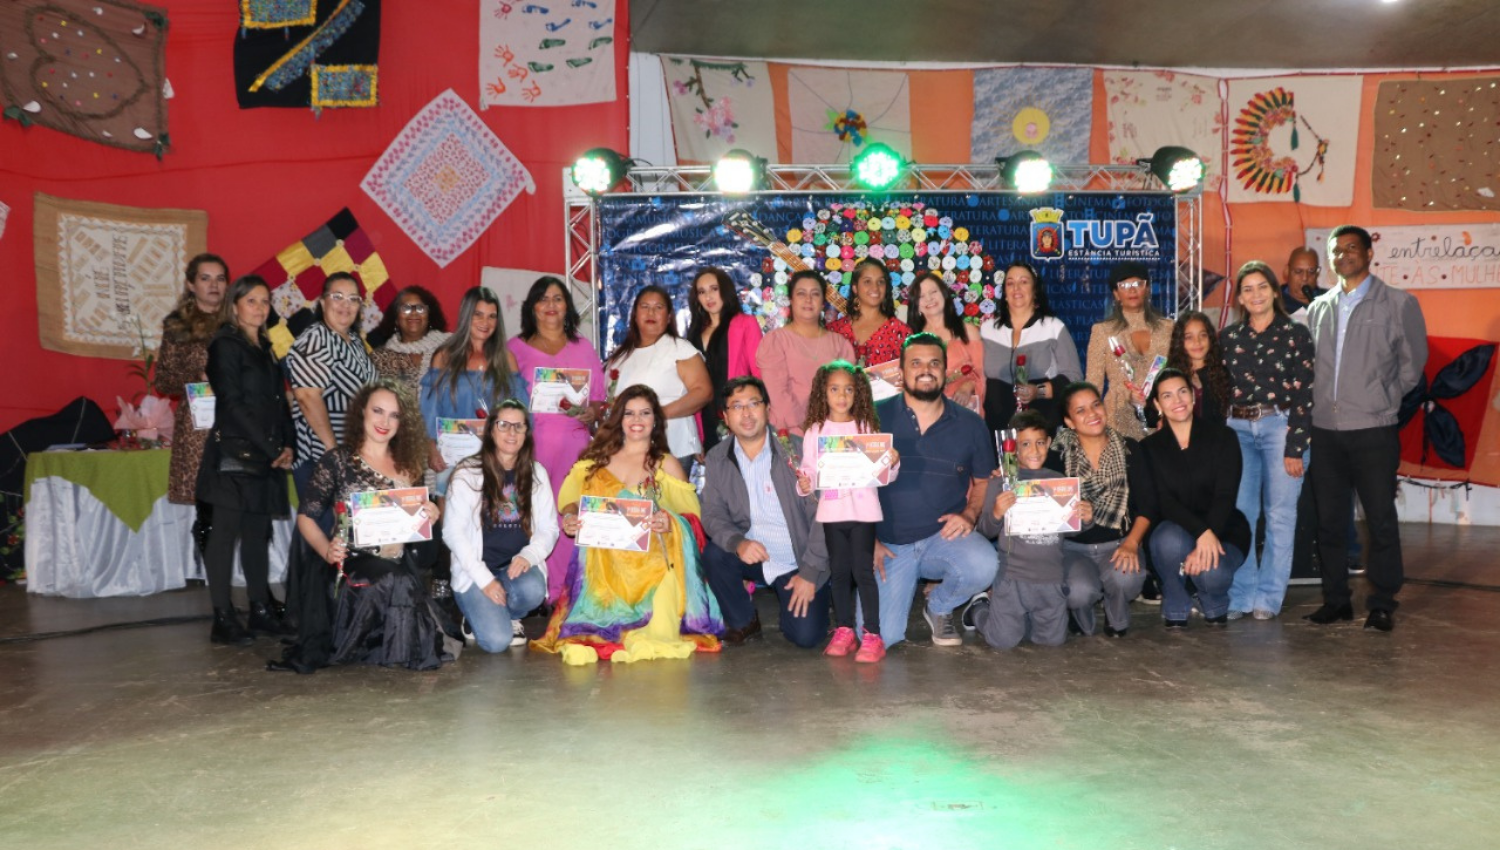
(267, 177)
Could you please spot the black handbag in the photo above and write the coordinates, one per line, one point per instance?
(240, 460)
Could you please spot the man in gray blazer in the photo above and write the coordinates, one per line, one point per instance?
(1371, 348)
(759, 529)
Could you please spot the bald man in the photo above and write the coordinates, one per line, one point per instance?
(1301, 287)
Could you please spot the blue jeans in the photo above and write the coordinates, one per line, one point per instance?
(490, 622)
(726, 575)
(1170, 546)
(1260, 584)
(965, 566)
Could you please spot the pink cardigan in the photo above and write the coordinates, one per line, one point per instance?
(744, 341)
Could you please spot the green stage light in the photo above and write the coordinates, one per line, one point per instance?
(878, 167)
(597, 171)
(1027, 172)
(1179, 169)
(739, 171)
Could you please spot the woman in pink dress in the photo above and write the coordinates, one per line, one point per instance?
(549, 339)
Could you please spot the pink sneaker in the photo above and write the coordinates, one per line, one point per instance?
(841, 643)
(871, 650)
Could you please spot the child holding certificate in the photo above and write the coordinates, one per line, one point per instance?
(841, 405)
(1028, 597)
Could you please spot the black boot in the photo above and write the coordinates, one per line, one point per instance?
(265, 619)
(227, 628)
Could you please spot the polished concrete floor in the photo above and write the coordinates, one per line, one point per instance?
(1261, 735)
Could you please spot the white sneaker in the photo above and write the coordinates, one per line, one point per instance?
(517, 634)
(463, 625)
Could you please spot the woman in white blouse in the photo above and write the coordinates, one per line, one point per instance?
(501, 526)
(655, 356)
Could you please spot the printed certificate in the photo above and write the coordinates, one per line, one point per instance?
(200, 400)
(859, 460)
(1044, 506)
(885, 379)
(610, 523)
(459, 438)
(1158, 363)
(551, 387)
(379, 517)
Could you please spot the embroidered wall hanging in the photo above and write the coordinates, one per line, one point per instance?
(719, 105)
(317, 53)
(90, 68)
(296, 274)
(834, 112)
(1435, 145)
(106, 274)
(446, 178)
(1150, 109)
(1047, 110)
(1442, 420)
(1293, 139)
(547, 53)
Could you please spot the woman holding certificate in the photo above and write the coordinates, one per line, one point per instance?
(636, 590)
(550, 351)
(383, 614)
(471, 373)
(1199, 534)
(1124, 347)
(653, 355)
(502, 524)
(249, 449)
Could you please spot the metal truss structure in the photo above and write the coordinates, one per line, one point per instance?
(582, 228)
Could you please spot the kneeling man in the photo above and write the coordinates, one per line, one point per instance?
(759, 529)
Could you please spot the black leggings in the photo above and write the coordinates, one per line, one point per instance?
(851, 556)
(253, 532)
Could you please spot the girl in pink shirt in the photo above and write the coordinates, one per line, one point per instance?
(841, 405)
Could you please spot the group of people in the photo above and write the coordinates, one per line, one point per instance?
(1174, 477)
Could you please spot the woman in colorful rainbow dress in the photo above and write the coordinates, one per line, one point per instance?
(622, 605)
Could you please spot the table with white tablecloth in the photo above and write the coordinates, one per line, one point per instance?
(98, 523)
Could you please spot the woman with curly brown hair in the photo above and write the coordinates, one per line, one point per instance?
(383, 613)
(633, 605)
(183, 360)
(1195, 351)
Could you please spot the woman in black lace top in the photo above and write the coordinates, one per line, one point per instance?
(383, 614)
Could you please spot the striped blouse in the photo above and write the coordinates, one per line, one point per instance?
(323, 358)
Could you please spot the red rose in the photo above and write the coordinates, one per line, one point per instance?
(1020, 360)
(966, 370)
(565, 405)
(614, 374)
(340, 508)
(481, 413)
(1010, 446)
(784, 433)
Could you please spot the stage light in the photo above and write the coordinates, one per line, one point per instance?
(878, 167)
(1179, 169)
(739, 171)
(597, 171)
(1026, 172)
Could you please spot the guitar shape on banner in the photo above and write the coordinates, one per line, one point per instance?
(745, 225)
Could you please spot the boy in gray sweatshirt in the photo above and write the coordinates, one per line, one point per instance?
(1029, 597)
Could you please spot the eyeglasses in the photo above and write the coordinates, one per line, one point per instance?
(419, 309)
(1130, 284)
(745, 406)
(339, 298)
(510, 427)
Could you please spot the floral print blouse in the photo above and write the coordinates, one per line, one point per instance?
(1273, 367)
